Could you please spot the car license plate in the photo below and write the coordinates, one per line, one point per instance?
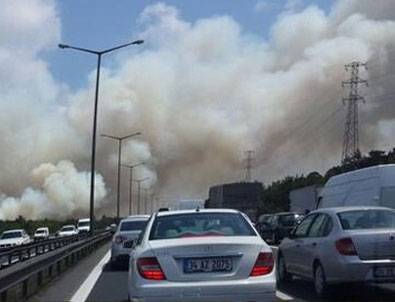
(384, 272)
(208, 265)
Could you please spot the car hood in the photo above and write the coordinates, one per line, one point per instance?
(11, 241)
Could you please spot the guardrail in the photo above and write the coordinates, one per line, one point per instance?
(18, 282)
(12, 255)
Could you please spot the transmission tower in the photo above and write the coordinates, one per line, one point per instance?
(249, 162)
(351, 131)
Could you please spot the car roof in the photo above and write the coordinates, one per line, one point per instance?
(16, 230)
(287, 213)
(83, 219)
(42, 228)
(178, 212)
(336, 210)
(135, 218)
(68, 225)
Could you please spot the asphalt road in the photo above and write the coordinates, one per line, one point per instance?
(111, 285)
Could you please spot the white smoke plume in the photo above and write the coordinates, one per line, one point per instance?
(63, 192)
(201, 92)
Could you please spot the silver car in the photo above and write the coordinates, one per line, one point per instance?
(340, 245)
(201, 255)
(127, 231)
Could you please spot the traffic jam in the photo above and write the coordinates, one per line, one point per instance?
(222, 255)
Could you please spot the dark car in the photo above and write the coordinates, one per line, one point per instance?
(279, 226)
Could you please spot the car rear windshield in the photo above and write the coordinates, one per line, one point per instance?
(83, 223)
(200, 224)
(67, 229)
(133, 225)
(40, 231)
(367, 219)
(10, 235)
(288, 220)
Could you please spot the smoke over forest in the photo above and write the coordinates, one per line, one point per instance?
(201, 92)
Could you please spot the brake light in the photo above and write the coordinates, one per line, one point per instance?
(119, 239)
(149, 268)
(263, 265)
(346, 247)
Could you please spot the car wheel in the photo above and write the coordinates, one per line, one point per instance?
(282, 274)
(320, 284)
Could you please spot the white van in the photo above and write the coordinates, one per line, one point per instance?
(373, 186)
(84, 225)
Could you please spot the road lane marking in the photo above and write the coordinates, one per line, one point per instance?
(86, 287)
(283, 296)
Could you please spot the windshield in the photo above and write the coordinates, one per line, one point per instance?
(67, 229)
(40, 232)
(288, 220)
(367, 219)
(83, 224)
(10, 235)
(201, 224)
(133, 225)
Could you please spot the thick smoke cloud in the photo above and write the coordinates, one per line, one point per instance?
(202, 93)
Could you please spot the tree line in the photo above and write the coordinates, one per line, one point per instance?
(276, 195)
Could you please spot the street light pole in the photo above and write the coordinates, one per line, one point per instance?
(131, 167)
(139, 181)
(119, 139)
(93, 156)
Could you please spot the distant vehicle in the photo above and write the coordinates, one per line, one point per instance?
(84, 225)
(373, 186)
(127, 232)
(190, 204)
(14, 238)
(340, 245)
(279, 226)
(67, 230)
(205, 255)
(303, 200)
(41, 233)
(263, 222)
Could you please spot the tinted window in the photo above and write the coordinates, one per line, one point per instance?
(200, 224)
(367, 219)
(40, 231)
(133, 225)
(11, 235)
(303, 228)
(83, 223)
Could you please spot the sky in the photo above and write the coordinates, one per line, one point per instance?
(106, 23)
(212, 80)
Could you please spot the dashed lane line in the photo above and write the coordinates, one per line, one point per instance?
(86, 287)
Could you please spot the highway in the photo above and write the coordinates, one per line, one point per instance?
(93, 280)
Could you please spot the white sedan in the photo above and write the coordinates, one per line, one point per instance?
(67, 230)
(14, 238)
(201, 255)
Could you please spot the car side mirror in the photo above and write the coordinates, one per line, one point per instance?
(134, 243)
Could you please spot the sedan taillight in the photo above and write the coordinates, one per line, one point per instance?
(263, 265)
(346, 247)
(149, 268)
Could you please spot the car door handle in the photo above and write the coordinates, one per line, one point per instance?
(314, 244)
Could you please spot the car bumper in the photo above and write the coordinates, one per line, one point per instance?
(357, 270)
(230, 291)
(119, 253)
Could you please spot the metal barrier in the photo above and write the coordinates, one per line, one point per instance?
(18, 282)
